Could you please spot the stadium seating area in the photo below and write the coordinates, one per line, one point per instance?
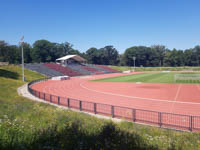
(92, 70)
(43, 70)
(79, 68)
(63, 70)
(53, 69)
(110, 70)
(97, 68)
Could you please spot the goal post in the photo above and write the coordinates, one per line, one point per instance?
(187, 77)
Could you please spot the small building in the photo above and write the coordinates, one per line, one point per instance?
(70, 59)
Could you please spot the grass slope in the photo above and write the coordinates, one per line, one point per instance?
(149, 78)
(25, 124)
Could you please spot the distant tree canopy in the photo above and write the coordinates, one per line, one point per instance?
(104, 56)
(41, 51)
(145, 56)
(46, 51)
(9, 53)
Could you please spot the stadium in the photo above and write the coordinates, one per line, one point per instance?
(164, 99)
(100, 75)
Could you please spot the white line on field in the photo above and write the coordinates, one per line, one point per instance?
(176, 96)
(134, 97)
(198, 86)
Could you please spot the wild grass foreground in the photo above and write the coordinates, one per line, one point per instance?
(25, 124)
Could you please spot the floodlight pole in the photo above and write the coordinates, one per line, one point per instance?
(22, 62)
(134, 58)
(160, 65)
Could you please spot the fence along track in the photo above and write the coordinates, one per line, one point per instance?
(160, 119)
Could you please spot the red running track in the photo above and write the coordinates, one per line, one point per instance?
(170, 98)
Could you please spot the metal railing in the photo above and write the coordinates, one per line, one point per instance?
(160, 119)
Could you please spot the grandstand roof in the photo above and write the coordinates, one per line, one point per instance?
(75, 57)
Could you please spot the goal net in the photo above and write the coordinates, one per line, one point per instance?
(190, 77)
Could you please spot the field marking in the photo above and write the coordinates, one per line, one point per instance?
(198, 87)
(133, 97)
(178, 91)
(175, 98)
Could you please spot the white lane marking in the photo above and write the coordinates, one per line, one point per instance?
(175, 98)
(148, 99)
(198, 86)
(177, 93)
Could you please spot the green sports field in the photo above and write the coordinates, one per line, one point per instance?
(162, 77)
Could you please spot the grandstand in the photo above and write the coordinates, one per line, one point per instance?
(43, 70)
(70, 65)
(94, 71)
(110, 70)
(79, 68)
(97, 68)
(64, 70)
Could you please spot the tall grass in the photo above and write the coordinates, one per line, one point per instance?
(25, 124)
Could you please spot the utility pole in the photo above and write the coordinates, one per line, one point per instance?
(22, 42)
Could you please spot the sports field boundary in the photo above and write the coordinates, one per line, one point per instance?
(160, 119)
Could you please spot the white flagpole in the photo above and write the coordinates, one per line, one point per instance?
(22, 41)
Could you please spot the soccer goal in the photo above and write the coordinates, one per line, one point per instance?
(187, 78)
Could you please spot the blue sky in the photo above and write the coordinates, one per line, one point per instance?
(97, 23)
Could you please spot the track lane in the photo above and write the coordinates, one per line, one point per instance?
(71, 88)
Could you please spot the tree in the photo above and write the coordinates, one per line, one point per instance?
(196, 51)
(156, 55)
(104, 56)
(175, 58)
(9, 53)
(3, 51)
(192, 56)
(27, 52)
(143, 56)
(13, 55)
(42, 51)
(122, 60)
(65, 48)
(160, 52)
(92, 55)
(111, 56)
(167, 58)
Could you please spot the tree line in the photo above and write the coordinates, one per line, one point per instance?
(154, 56)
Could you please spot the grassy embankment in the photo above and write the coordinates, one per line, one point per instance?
(153, 78)
(25, 124)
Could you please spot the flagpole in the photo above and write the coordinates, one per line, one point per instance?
(22, 41)
(22, 63)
